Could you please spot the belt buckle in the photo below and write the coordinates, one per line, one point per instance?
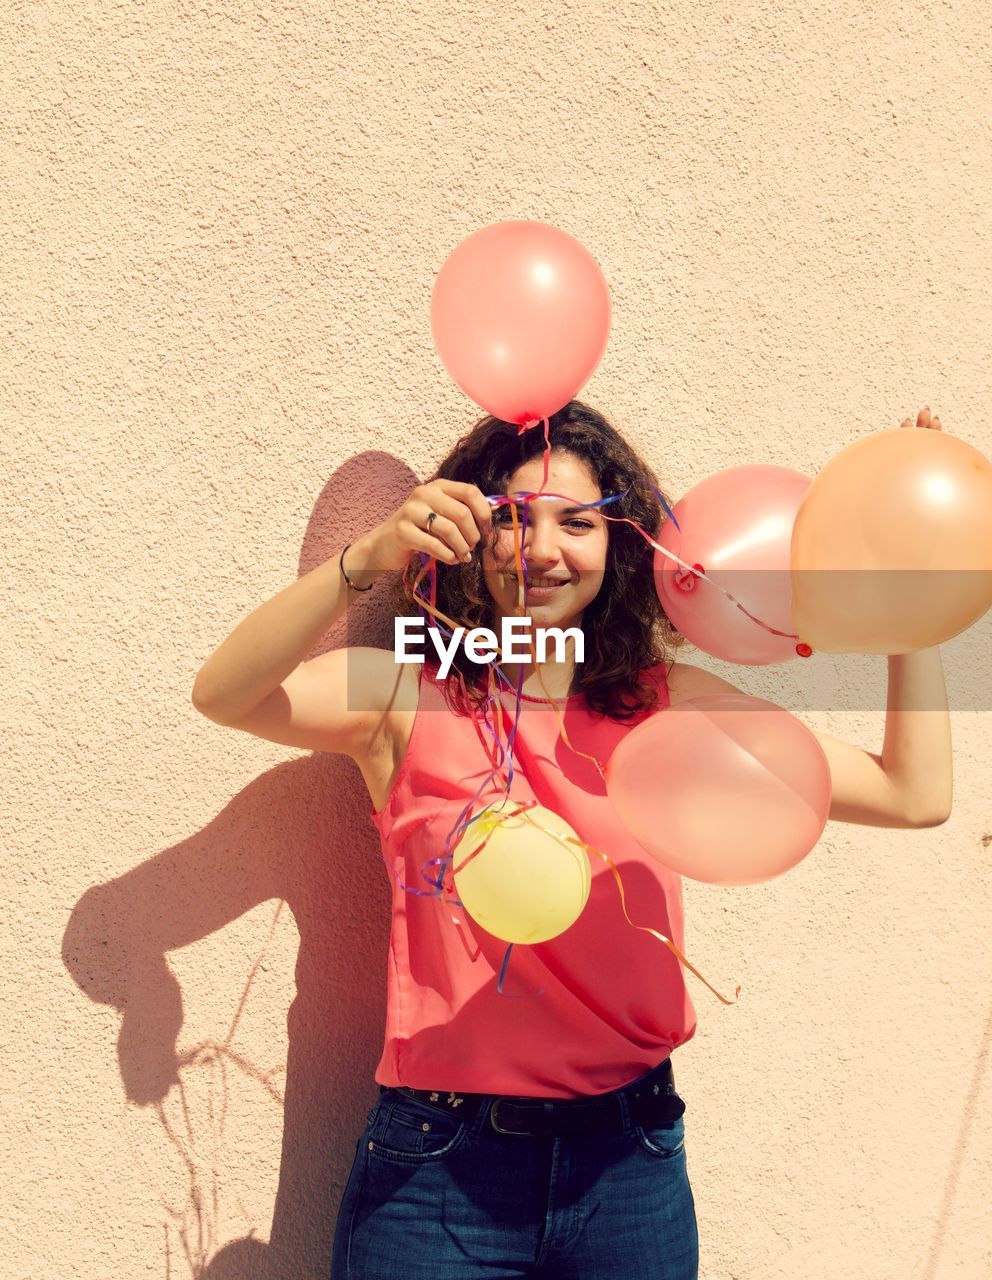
(496, 1125)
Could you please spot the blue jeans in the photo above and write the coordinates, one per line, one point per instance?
(432, 1197)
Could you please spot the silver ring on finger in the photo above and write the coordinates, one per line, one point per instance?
(430, 520)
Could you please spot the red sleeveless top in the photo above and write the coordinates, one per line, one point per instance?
(614, 1000)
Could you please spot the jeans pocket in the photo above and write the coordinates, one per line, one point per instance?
(662, 1140)
(408, 1131)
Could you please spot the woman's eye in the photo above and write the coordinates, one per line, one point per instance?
(503, 516)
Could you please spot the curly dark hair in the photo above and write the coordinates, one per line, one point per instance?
(625, 627)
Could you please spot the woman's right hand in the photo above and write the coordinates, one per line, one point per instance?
(464, 518)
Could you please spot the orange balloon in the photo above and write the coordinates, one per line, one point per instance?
(892, 545)
(727, 789)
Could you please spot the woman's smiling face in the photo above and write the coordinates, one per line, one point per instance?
(561, 544)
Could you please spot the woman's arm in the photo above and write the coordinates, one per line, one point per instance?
(273, 640)
(910, 783)
(916, 758)
(916, 752)
(263, 649)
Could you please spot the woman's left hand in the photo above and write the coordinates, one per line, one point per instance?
(923, 419)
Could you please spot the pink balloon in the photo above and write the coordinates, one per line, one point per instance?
(729, 790)
(520, 315)
(736, 524)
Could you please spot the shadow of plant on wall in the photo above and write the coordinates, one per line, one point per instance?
(205, 1077)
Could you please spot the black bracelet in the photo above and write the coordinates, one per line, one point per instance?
(344, 574)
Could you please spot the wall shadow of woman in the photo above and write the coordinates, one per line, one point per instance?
(299, 835)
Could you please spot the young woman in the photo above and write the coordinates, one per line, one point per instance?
(527, 1123)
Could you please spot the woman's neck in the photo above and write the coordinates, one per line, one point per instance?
(557, 678)
(557, 675)
(548, 679)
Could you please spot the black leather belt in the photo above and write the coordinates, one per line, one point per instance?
(650, 1100)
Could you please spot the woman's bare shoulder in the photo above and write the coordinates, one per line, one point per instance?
(688, 681)
(344, 700)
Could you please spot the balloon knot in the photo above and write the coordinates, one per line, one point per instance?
(685, 579)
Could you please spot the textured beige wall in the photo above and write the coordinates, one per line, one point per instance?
(220, 229)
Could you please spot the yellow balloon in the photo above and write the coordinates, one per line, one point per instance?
(892, 544)
(528, 884)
